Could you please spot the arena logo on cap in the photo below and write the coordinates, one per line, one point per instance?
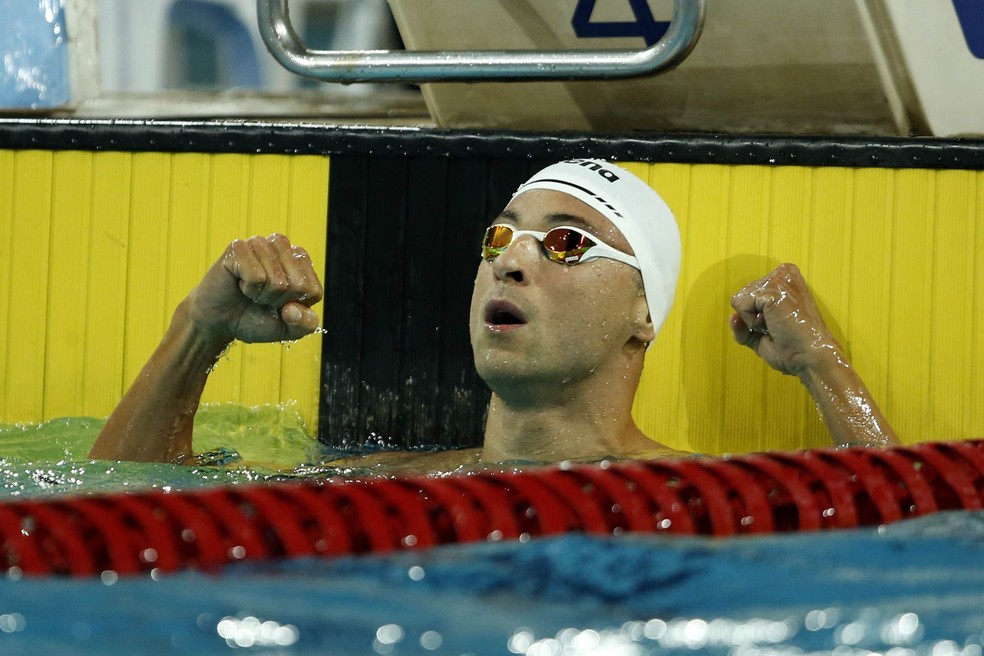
(607, 174)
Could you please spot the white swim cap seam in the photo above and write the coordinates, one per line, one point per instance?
(582, 189)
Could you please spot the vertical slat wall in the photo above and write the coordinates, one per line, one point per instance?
(96, 250)
(895, 259)
(26, 303)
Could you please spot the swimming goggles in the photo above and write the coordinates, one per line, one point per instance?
(564, 244)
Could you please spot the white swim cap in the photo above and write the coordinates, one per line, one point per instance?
(635, 209)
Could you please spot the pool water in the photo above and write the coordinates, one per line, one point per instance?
(904, 589)
(51, 458)
(916, 587)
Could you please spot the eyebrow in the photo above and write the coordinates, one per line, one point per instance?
(570, 219)
(556, 218)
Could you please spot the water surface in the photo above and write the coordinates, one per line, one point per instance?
(913, 588)
(51, 458)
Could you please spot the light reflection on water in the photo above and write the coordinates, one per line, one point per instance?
(906, 592)
(250, 631)
(867, 633)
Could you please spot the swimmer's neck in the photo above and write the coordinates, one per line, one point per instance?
(562, 431)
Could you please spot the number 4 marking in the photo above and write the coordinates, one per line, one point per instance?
(645, 25)
(971, 15)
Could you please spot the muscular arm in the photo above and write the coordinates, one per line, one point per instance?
(260, 290)
(153, 421)
(778, 319)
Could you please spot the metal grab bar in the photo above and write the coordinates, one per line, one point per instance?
(477, 66)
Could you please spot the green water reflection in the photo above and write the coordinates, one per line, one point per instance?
(51, 458)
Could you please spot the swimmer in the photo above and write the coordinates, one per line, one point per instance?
(577, 275)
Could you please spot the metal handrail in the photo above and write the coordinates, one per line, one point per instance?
(477, 66)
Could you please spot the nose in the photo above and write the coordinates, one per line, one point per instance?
(516, 261)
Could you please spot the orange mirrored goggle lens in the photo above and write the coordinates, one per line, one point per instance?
(564, 245)
(497, 238)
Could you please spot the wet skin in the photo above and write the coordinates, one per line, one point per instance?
(561, 347)
(535, 323)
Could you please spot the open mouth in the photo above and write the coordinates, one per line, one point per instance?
(503, 315)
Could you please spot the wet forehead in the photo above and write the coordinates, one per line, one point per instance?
(542, 209)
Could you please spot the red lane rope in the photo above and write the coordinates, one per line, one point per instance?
(959, 478)
(833, 488)
(627, 510)
(669, 508)
(875, 499)
(466, 518)
(55, 529)
(756, 515)
(759, 493)
(242, 530)
(495, 505)
(785, 489)
(326, 526)
(157, 549)
(200, 537)
(19, 549)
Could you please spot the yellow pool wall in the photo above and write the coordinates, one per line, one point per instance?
(97, 248)
(895, 259)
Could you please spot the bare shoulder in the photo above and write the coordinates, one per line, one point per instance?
(408, 462)
(640, 446)
(659, 453)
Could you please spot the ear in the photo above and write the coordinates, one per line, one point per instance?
(645, 331)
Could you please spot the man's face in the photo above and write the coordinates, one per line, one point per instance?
(537, 321)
